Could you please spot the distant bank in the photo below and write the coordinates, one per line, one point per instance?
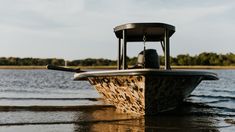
(22, 67)
(203, 59)
(114, 67)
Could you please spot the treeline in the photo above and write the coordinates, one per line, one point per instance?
(16, 61)
(209, 59)
(30, 61)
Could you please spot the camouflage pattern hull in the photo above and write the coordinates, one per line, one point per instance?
(146, 93)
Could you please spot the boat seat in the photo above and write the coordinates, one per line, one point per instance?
(147, 59)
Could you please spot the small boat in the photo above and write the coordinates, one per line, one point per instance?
(144, 89)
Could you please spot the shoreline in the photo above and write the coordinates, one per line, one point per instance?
(114, 67)
(22, 67)
(203, 67)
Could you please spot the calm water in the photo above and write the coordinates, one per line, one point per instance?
(42, 100)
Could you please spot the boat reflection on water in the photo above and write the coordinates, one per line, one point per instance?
(182, 119)
(188, 117)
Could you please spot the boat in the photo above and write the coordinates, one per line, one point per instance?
(146, 88)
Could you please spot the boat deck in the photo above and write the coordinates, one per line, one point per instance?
(146, 72)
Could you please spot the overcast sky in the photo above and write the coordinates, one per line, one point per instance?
(78, 29)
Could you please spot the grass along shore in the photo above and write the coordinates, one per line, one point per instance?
(114, 67)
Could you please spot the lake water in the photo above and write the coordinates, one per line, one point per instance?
(42, 100)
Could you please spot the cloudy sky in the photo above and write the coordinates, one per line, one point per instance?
(77, 29)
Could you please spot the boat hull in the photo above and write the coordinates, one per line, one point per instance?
(145, 93)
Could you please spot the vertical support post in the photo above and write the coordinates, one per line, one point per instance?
(124, 66)
(167, 49)
(119, 54)
(163, 46)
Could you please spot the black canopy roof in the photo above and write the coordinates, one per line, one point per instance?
(151, 31)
